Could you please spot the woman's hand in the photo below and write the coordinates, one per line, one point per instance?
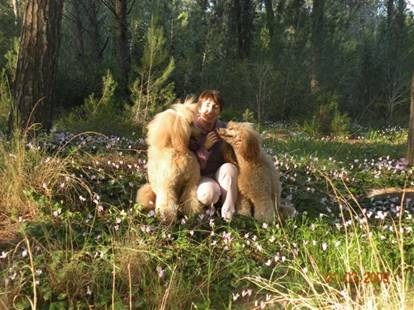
(211, 139)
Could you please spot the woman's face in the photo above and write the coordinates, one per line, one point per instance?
(209, 111)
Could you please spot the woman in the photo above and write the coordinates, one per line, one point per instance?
(219, 179)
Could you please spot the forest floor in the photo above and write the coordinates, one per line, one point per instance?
(79, 240)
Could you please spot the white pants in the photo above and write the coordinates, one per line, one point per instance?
(224, 185)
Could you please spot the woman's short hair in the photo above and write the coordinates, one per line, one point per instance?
(213, 95)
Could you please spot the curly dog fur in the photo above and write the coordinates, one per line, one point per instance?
(173, 170)
(258, 181)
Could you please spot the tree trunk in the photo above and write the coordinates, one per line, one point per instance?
(122, 42)
(95, 36)
(16, 11)
(317, 41)
(410, 153)
(79, 31)
(241, 25)
(238, 20)
(270, 19)
(33, 87)
(390, 13)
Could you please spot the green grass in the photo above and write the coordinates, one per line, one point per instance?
(91, 246)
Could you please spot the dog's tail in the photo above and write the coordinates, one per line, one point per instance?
(146, 197)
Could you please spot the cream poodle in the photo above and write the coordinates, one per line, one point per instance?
(258, 181)
(173, 170)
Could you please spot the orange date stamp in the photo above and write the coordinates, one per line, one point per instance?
(374, 278)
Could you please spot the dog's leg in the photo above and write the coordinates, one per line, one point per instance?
(191, 205)
(244, 207)
(264, 210)
(146, 197)
(166, 206)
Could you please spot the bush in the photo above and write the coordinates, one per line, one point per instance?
(248, 116)
(104, 114)
(5, 100)
(340, 124)
(151, 91)
(7, 75)
(27, 170)
(327, 120)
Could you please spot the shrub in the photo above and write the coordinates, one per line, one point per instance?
(102, 114)
(340, 124)
(5, 100)
(327, 120)
(248, 116)
(26, 171)
(6, 75)
(151, 90)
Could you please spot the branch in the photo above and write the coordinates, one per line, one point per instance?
(132, 5)
(72, 18)
(109, 5)
(69, 16)
(86, 9)
(103, 48)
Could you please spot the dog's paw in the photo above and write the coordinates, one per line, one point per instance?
(227, 213)
(167, 215)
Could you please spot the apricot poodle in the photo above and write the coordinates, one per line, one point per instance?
(258, 181)
(173, 170)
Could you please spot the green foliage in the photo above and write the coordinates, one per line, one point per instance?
(152, 91)
(310, 127)
(11, 58)
(101, 114)
(253, 86)
(101, 250)
(248, 116)
(9, 30)
(6, 100)
(327, 120)
(6, 76)
(340, 124)
(393, 135)
(28, 170)
(363, 57)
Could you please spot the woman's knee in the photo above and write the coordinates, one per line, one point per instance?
(227, 170)
(208, 193)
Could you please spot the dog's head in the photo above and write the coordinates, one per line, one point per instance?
(186, 110)
(243, 138)
(172, 128)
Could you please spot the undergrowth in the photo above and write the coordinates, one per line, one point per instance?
(89, 245)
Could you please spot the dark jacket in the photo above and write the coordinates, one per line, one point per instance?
(210, 160)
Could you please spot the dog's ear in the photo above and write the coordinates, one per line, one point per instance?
(250, 144)
(228, 153)
(169, 129)
(159, 129)
(180, 132)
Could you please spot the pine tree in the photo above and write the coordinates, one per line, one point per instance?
(152, 89)
(36, 66)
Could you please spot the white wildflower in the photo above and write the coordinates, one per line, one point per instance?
(235, 296)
